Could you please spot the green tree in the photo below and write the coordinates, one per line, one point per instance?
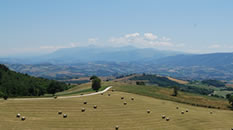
(0, 76)
(1, 94)
(55, 87)
(96, 83)
(228, 95)
(230, 99)
(175, 91)
(93, 77)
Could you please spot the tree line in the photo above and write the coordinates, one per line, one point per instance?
(14, 84)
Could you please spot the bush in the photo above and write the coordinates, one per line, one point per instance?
(140, 83)
(5, 97)
(228, 96)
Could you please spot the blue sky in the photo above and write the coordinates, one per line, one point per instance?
(43, 26)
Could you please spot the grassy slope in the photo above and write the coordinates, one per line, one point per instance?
(42, 114)
(155, 92)
(165, 93)
(80, 89)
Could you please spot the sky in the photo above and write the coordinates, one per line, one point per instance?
(34, 27)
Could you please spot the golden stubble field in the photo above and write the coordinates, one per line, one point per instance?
(111, 111)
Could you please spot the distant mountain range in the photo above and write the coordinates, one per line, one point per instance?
(75, 62)
(212, 60)
(94, 54)
(199, 66)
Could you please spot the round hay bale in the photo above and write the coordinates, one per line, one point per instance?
(148, 111)
(109, 94)
(182, 112)
(125, 103)
(83, 109)
(177, 107)
(18, 115)
(187, 110)
(65, 116)
(23, 118)
(59, 112)
(167, 119)
(95, 107)
(132, 98)
(163, 116)
(102, 93)
(85, 102)
(211, 112)
(55, 97)
(122, 98)
(117, 127)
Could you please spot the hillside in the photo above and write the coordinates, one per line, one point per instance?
(16, 84)
(155, 91)
(112, 112)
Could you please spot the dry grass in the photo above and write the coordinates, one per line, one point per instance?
(178, 81)
(42, 114)
(165, 93)
(230, 85)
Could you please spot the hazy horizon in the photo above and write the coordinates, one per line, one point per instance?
(41, 27)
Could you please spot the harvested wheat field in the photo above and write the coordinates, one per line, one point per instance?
(59, 114)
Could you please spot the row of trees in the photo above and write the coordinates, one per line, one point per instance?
(215, 83)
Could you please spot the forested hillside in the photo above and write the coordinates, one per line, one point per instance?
(17, 84)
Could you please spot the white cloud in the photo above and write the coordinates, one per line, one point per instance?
(92, 40)
(150, 36)
(165, 39)
(215, 46)
(132, 35)
(54, 48)
(147, 40)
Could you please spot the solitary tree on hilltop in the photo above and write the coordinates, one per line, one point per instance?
(96, 83)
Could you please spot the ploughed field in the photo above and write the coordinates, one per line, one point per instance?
(142, 113)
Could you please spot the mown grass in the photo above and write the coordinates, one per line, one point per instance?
(42, 114)
(80, 89)
(166, 94)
